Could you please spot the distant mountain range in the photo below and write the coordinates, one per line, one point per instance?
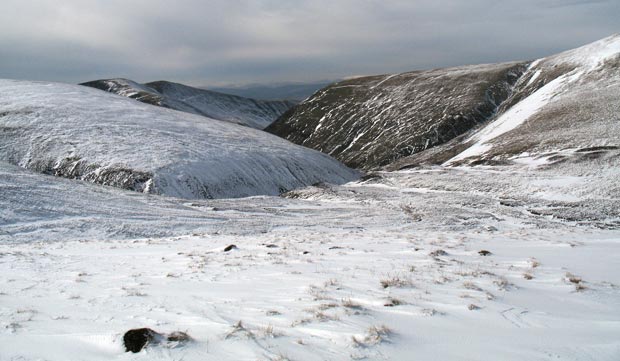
(231, 108)
(295, 92)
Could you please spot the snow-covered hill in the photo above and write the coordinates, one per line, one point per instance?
(245, 111)
(566, 101)
(371, 121)
(563, 102)
(80, 132)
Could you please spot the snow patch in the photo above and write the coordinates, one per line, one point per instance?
(513, 118)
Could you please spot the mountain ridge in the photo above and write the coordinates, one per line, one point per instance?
(211, 104)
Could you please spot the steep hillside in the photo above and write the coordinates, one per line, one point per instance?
(79, 132)
(566, 101)
(370, 122)
(245, 111)
(563, 102)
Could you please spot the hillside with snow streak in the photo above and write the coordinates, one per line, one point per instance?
(481, 113)
(235, 109)
(372, 121)
(568, 101)
(82, 133)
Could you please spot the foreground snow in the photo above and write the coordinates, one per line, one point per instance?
(386, 269)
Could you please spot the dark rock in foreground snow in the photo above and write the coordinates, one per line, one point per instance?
(137, 339)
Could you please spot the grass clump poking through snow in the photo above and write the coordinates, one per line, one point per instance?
(577, 281)
(349, 303)
(374, 336)
(239, 330)
(397, 281)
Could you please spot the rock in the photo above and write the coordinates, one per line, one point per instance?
(230, 248)
(135, 340)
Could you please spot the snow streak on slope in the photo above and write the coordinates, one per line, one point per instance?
(250, 112)
(582, 75)
(78, 132)
(513, 118)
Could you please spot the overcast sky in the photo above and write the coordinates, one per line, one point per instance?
(218, 42)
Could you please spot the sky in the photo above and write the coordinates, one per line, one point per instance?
(234, 42)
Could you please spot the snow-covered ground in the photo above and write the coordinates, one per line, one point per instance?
(383, 269)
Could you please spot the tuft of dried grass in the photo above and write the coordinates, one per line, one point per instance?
(238, 329)
(374, 336)
(396, 281)
(471, 286)
(503, 284)
(350, 304)
(391, 302)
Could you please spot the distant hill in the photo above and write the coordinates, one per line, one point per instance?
(295, 92)
(240, 110)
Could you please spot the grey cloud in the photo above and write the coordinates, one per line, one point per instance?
(244, 41)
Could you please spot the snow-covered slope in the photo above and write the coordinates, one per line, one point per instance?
(80, 132)
(370, 122)
(569, 100)
(566, 101)
(245, 111)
